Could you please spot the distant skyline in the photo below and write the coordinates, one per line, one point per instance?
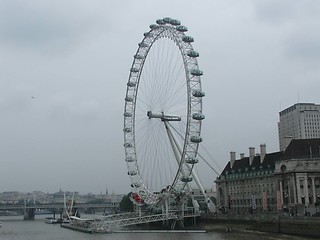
(64, 66)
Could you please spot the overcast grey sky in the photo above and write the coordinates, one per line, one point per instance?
(64, 67)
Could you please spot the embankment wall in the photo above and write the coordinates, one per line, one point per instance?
(302, 226)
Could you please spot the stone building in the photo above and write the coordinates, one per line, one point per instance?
(298, 171)
(271, 182)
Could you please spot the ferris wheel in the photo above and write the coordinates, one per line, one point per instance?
(163, 115)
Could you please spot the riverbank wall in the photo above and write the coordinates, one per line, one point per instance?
(298, 226)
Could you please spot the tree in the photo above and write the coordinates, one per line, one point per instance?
(126, 205)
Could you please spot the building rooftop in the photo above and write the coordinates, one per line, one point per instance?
(303, 148)
(298, 148)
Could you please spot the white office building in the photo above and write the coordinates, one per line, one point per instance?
(300, 121)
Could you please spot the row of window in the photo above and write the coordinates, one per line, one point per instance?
(311, 123)
(302, 185)
(312, 116)
(312, 136)
(247, 169)
(249, 202)
(238, 186)
(257, 192)
(252, 182)
(250, 174)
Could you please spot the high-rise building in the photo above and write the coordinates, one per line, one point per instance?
(300, 121)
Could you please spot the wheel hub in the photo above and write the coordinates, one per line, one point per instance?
(163, 117)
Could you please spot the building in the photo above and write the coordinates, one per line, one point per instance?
(298, 171)
(243, 184)
(300, 121)
(12, 197)
(285, 181)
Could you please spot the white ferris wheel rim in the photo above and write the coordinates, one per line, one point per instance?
(190, 93)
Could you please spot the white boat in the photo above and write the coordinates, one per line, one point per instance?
(50, 220)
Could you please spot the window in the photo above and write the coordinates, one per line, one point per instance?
(301, 184)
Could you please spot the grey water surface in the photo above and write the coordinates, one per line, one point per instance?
(14, 228)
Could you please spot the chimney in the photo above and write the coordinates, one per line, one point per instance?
(251, 155)
(241, 155)
(263, 152)
(232, 158)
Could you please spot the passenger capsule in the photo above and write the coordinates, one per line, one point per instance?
(188, 39)
(160, 22)
(137, 199)
(127, 114)
(175, 22)
(129, 99)
(131, 84)
(167, 20)
(127, 145)
(198, 116)
(192, 160)
(138, 56)
(198, 93)
(132, 173)
(129, 159)
(196, 139)
(134, 70)
(196, 72)
(135, 185)
(182, 28)
(186, 179)
(127, 130)
(193, 53)
(143, 44)
(152, 26)
(147, 34)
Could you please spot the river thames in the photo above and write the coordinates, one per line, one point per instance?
(14, 228)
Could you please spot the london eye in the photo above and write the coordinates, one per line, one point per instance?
(163, 115)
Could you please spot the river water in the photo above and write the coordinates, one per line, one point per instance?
(14, 228)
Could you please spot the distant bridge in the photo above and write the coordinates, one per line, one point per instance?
(55, 206)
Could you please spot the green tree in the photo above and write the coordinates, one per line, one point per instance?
(126, 205)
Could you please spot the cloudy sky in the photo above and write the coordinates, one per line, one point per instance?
(64, 67)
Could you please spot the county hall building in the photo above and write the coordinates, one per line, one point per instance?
(285, 181)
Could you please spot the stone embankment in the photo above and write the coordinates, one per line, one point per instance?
(302, 226)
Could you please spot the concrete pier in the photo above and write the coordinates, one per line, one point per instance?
(29, 214)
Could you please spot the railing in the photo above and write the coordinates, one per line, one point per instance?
(120, 220)
(108, 223)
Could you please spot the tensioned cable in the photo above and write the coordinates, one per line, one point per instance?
(211, 158)
(209, 165)
(143, 114)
